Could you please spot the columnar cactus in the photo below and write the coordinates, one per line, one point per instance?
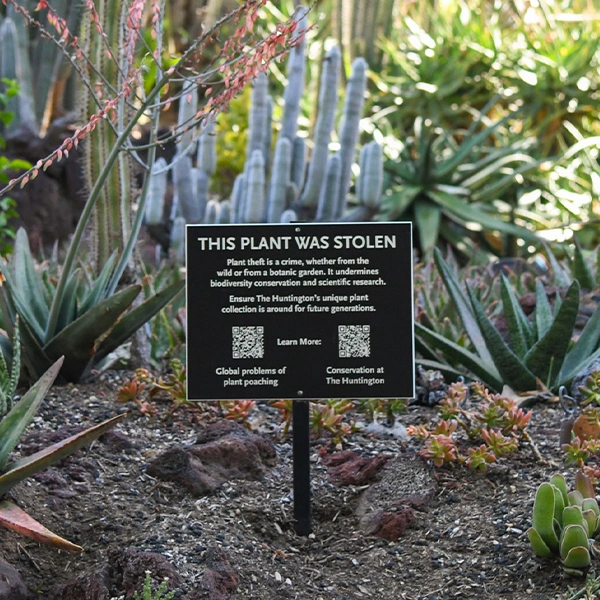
(290, 188)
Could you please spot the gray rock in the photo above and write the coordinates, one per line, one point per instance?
(11, 584)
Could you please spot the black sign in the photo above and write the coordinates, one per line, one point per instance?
(299, 311)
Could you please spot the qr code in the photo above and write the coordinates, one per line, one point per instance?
(354, 341)
(248, 342)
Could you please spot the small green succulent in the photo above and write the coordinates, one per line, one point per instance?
(565, 523)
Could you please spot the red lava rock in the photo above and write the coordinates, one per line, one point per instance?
(224, 451)
(219, 578)
(11, 584)
(391, 525)
(349, 468)
(123, 575)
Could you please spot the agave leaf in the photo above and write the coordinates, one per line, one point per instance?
(560, 277)
(543, 516)
(467, 147)
(427, 219)
(496, 189)
(17, 420)
(35, 360)
(446, 370)
(509, 365)
(546, 357)
(581, 270)
(396, 204)
(543, 311)
(29, 465)
(80, 339)
(98, 287)
(26, 279)
(577, 357)
(463, 212)
(16, 519)
(519, 328)
(466, 314)
(136, 317)
(15, 298)
(461, 355)
(537, 543)
(68, 308)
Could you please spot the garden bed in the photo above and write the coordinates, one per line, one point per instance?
(465, 538)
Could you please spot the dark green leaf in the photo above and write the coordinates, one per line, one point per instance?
(25, 467)
(466, 314)
(458, 354)
(427, 220)
(16, 421)
(81, 338)
(512, 370)
(545, 359)
(519, 328)
(543, 310)
(136, 318)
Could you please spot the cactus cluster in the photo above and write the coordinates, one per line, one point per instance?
(288, 187)
(38, 65)
(565, 523)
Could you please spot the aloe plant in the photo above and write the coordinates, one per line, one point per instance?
(91, 322)
(537, 351)
(443, 179)
(12, 427)
(564, 523)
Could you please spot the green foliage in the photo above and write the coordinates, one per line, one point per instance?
(447, 181)
(172, 383)
(9, 89)
(90, 321)
(483, 417)
(471, 61)
(589, 590)
(564, 522)
(148, 594)
(540, 349)
(12, 427)
(9, 378)
(328, 416)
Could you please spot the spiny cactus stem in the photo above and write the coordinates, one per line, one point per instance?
(90, 204)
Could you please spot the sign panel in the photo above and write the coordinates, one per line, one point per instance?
(299, 310)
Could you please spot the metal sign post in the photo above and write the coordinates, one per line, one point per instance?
(301, 456)
(299, 311)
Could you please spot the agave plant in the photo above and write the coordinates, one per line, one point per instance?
(537, 352)
(12, 427)
(564, 522)
(442, 180)
(91, 320)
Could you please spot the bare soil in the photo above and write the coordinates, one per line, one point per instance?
(467, 539)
